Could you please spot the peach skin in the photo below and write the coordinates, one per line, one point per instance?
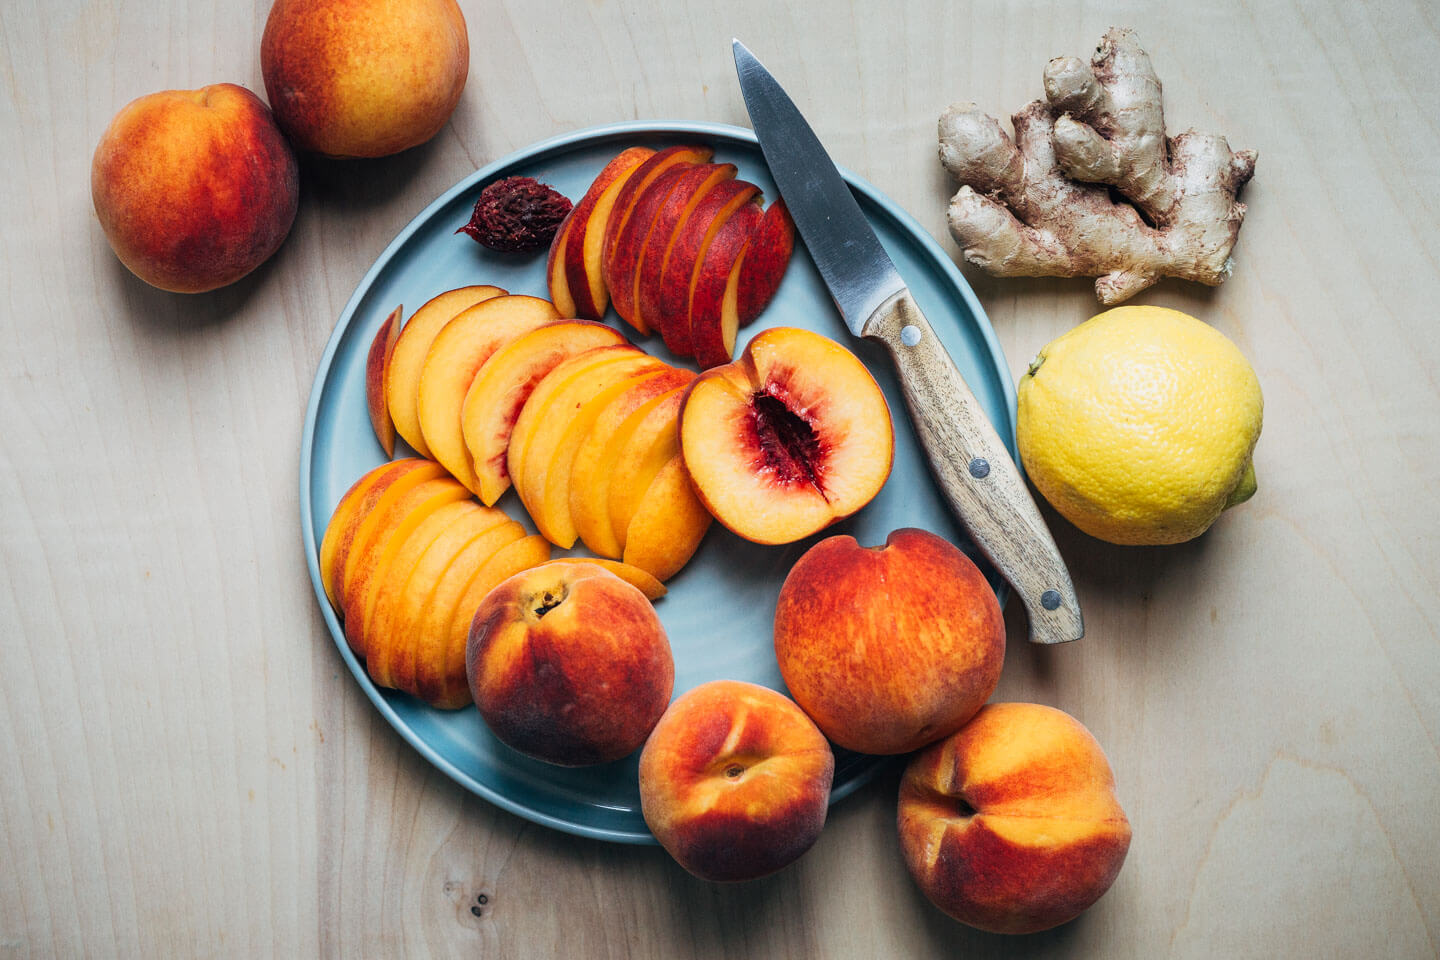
(735, 781)
(1011, 825)
(364, 78)
(569, 664)
(888, 648)
(194, 188)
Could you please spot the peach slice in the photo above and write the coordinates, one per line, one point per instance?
(668, 524)
(594, 460)
(507, 561)
(431, 624)
(456, 354)
(367, 518)
(652, 444)
(353, 507)
(622, 263)
(712, 339)
(559, 287)
(501, 387)
(578, 368)
(472, 543)
(381, 349)
(585, 240)
(788, 439)
(637, 578)
(364, 573)
(690, 189)
(677, 279)
(644, 175)
(414, 570)
(403, 553)
(763, 263)
(544, 452)
(552, 514)
(402, 376)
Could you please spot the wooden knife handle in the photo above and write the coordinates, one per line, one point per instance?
(975, 471)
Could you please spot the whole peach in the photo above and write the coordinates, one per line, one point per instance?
(735, 781)
(194, 188)
(1011, 825)
(888, 648)
(363, 78)
(569, 664)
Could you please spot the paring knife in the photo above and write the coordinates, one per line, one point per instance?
(967, 457)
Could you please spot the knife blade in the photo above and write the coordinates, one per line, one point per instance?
(970, 463)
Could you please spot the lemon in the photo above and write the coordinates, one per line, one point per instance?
(1139, 425)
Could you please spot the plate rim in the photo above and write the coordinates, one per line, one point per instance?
(575, 138)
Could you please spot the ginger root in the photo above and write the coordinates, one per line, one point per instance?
(1041, 205)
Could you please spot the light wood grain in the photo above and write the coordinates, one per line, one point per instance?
(186, 769)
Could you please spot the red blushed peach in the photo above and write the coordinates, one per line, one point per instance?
(888, 648)
(363, 78)
(788, 439)
(713, 340)
(1011, 825)
(194, 188)
(569, 664)
(763, 263)
(735, 781)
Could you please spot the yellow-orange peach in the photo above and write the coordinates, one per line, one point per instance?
(888, 648)
(1011, 824)
(735, 781)
(569, 664)
(363, 78)
(194, 188)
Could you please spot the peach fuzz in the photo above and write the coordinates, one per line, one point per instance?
(569, 664)
(363, 78)
(888, 648)
(735, 781)
(1011, 825)
(194, 188)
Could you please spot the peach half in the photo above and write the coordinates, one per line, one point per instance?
(569, 664)
(888, 648)
(1011, 825)
(735, 781)
(789, 438)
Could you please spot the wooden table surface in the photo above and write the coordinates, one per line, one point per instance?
(187, 768)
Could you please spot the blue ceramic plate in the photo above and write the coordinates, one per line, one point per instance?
(720, 607)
